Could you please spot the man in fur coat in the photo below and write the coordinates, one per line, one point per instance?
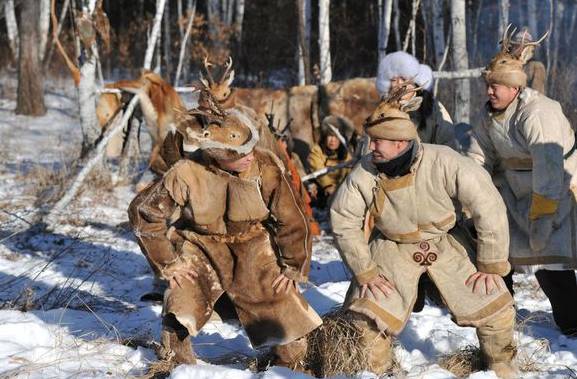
(227, 221)
(528, 146)
(411, 189)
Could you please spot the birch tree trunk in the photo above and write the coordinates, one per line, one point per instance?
(238, 20)
(183, 57)
(154, 34)
(167, 41)
(43, 26)
(325, 42)
(460, 60)
(385, 13)
(398, 45)
(438, 30)
(532, 17)
(213, 16)
(87, 99)
(304, 41)
(571, 35)
(12, 28)
(559, 10)
(179, 18)
(30, 99)
(503, 16)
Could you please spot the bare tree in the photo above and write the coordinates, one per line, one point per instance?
(30, 99)
(238, 20)
(385, 13)
(43, 26)
(438, 30)
(325, 42)
(183, 57)
(304, 41)
(167, 43)
(460, 60)
(48, 56)
(558, 25)
(396, 24)
(11, 27)
(503, 16)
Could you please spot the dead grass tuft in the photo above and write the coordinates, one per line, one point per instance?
(335, 347)
(463, 362)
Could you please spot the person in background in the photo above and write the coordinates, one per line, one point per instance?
(527, 144)
(534, 69)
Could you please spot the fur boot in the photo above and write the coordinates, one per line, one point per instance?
(376, 344)
(175, 342)
(497, 345)
(292, 355)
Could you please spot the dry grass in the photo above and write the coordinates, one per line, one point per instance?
(335, 347)
(463, 362)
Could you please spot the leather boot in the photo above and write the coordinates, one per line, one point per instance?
(497, 345)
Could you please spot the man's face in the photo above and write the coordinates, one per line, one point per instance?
(236, 165)
(399, 81)
(385, 150)
(332, 142)
(500, 96)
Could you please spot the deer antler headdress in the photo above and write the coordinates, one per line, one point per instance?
(391, 120)
(507, 66)
(221, 134)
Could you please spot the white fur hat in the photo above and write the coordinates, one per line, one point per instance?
(402, 64)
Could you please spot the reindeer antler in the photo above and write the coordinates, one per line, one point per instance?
(395, 96)
(205, 75)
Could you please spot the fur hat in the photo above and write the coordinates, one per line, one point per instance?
(391, 120)
(507, 66)
(339, 126)
(405, 65)
(220, 134)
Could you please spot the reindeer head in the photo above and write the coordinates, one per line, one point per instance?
(221, 88)
(391, 119)
(507, 66)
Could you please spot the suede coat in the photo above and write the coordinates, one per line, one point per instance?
(523, 148)
(414, 217)
(238, 233)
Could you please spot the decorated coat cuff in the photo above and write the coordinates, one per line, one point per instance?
(499, 268)
(364, 277)
(542, 206)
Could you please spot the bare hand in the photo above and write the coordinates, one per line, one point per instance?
(282, 283)
(378, 283)
(492, 282)
(313, 190)
(180, 275)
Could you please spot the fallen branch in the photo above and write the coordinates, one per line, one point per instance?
(94, 157)
(462, 74)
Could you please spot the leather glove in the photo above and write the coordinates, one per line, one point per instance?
(540, 231)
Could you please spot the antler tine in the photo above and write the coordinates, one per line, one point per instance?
(206, 65)
(506, 39)
(535, 43)
(397, 94)
(227, 68)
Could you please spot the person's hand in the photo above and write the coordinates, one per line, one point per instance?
(379, 283)
(179, 275)
(492, 282)
(283, 284)
(539, 232)
(313, 191)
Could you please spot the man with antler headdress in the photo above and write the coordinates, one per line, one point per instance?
(528, 146)
(227, 221)
(411, 189)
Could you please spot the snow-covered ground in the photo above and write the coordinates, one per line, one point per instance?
(70, 297)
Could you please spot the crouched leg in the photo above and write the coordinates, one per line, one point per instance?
(497, 345)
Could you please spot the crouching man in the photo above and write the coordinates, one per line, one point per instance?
(228, 221)
(411, 189)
